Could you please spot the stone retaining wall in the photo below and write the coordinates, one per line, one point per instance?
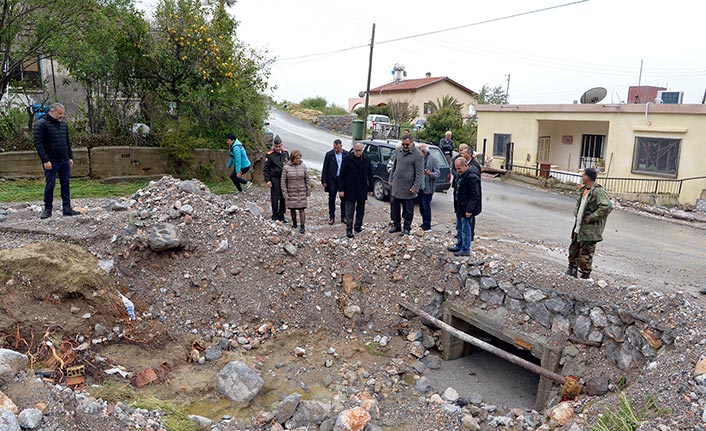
(26, 164)
(337, 123)
(116, 162)
(627, 338)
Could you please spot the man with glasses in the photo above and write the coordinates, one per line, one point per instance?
(405, 181)
(355, 184)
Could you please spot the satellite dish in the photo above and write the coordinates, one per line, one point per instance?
(594, 95)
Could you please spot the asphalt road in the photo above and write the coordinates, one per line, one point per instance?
(653, 250)
(299, 135)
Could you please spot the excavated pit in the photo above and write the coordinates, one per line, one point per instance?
(497, 380)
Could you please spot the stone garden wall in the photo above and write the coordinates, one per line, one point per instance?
(337, 123)
(626, 338)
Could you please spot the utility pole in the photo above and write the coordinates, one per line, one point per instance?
(638, 98)
(367, 88)
(703, 101)
(507, 88)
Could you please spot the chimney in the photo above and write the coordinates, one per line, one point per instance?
(428, 75)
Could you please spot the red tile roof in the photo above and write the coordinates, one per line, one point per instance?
(416, 84)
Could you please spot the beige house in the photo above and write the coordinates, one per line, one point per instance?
(419, 92)
(659, 148)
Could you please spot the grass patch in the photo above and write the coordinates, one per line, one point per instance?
(624, 417)
(113, 392)
(174, 418)
(33, 190)
(373, 351)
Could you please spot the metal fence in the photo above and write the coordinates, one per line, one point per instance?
(615, 185)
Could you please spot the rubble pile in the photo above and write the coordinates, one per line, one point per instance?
(304, 332)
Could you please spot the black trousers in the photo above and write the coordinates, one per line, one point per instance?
(277, 199)
(354, 210)
(332, 196)
(406, 206)
(239, 181)
(63, 171)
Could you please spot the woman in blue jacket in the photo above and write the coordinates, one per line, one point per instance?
(240, 162)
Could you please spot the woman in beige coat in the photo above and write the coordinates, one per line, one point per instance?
(296, 188)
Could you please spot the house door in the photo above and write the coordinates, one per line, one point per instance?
(543, 149)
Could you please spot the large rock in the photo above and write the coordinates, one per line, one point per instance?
(539, 313)
(510, 290)
(7, 404)
(311, 413)
(487, 283)
(492, 297)
(287, 407)
(30, 419)
(190, 186)
(472, 286)
(534, 295)
(559, 305)
(470, 423)
(11, 363)
(582, 327)
(8, 421)
(238, 382)
(562, 413)
(598, 317)
(353, 419)
(164, 236)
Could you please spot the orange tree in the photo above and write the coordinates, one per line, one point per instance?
(209, 82)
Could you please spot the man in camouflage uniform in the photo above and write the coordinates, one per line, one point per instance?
(592, 209)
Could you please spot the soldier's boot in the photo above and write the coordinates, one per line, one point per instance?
(572, 271)
(586, 275)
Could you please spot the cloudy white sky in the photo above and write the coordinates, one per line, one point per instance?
(552, 57)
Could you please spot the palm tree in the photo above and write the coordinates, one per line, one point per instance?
(445, 102)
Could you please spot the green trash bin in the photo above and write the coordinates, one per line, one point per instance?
(357, 129)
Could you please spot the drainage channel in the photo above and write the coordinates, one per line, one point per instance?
(477, 373)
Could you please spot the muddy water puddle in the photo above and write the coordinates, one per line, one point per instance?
(193, 388)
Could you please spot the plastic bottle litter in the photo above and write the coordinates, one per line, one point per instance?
(129, 306)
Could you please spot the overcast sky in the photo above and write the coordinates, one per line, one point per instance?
(552, 56)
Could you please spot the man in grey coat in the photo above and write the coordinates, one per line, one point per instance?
(406, 179)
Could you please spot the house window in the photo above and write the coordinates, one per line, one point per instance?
(500, 141)
(592, 151)
(428, 109)
(27, 75)
(656, 156)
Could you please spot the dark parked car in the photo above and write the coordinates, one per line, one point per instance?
(268, 134)
(380, 153)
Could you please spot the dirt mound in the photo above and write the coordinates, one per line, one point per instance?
(54, 268)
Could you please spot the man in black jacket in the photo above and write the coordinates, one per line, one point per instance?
(274, 163)
(467, 205)
(329, 179)
(355, 184)
(51, 139)
(447, 146)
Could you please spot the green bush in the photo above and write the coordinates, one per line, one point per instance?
(317, 103)
(181, 145)
(12, 123)
(446, 119)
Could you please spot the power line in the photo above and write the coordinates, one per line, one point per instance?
(428, 33)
